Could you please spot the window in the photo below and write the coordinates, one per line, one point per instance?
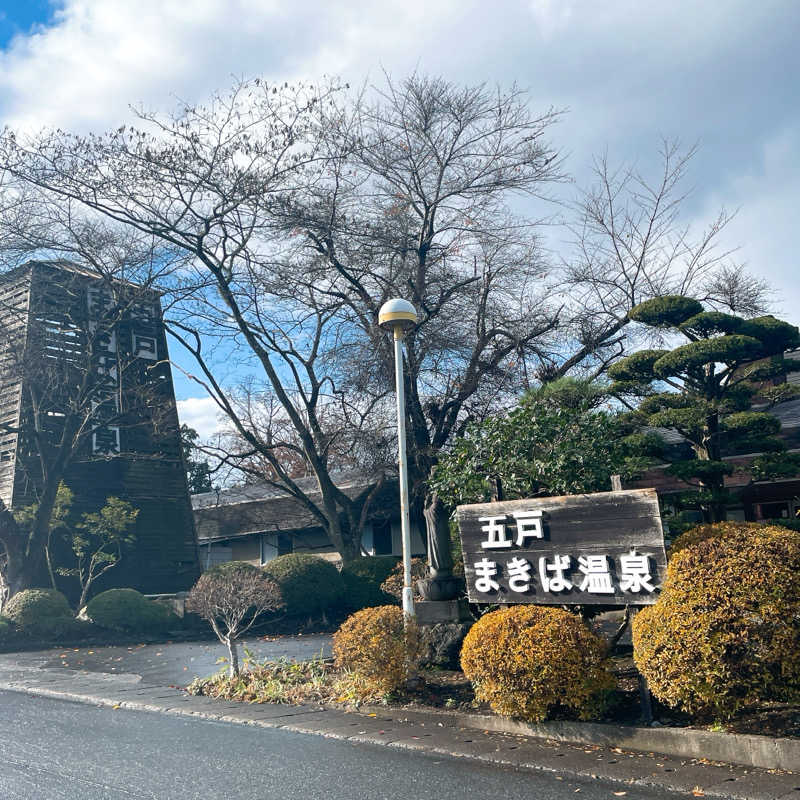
(382, 537)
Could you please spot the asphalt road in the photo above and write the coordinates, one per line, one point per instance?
(170, 664)
(56, 750)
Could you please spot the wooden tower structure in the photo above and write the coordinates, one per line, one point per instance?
(79, 348)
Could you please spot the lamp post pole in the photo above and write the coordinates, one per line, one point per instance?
(399, 316)
(405, 523)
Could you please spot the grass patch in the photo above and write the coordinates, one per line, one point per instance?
(288, 682)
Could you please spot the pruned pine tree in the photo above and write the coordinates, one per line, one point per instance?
(705, 387)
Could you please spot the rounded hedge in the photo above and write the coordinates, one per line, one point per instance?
(374, 644)
(39, 611)
(728, 349)
(725, 631)
(776, 336)
(666, 311)
(227, 568)
(128, 610)
(636, 367)
(710, 323)
(525, 661)
(310, 585)
(362, 581)
(699, 533)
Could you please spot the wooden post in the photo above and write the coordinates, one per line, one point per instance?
(645, 698)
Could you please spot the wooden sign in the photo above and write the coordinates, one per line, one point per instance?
(590, 549)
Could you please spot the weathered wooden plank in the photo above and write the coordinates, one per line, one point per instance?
(594, 549)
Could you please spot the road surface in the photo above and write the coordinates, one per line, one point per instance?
(57, 750)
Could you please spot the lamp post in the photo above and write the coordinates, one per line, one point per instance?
(400, 316)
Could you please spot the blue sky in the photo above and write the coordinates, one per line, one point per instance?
(722, 73)
(20, 17)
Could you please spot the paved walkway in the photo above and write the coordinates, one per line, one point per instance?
(168, 664)
(442, 733)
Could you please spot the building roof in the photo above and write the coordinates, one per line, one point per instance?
(657, 478)
(788, 413)
(261, 508)
(265, 491)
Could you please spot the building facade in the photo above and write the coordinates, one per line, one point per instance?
(257, 523)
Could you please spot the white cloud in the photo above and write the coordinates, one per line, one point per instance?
(100, 56)
(202, 414)
(722, 73)
(551, 15)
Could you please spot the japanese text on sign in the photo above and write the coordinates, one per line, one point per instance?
(603, 548)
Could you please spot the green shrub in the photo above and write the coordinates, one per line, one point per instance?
(6, 629)
(362, 581)
(725, 631)
(310, 585)
(526, 661)
(793, 524)
(128, 610)
(375, 646)
(39, 612)
(227, 568)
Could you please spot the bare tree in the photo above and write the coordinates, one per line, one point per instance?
(232, 597)
(629, 244)
(206, 181)
(305, 208)
(414, 203)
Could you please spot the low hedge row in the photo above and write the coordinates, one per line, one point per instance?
(42, 614)
(313, 587)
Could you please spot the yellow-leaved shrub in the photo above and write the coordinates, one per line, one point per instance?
(526, 661)
(705, 531)
(725, 631)
(374, 645)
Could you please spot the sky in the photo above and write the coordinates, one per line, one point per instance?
(719, 73)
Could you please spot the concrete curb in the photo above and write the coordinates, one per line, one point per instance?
(764, 752)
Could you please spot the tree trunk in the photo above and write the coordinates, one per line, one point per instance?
(233, 653)
(712, 450)
(84, 595)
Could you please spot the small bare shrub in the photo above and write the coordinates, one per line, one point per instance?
(231, 597)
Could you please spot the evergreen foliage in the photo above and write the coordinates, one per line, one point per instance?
(128, 610)
(705, 389)
(198, 472)
(39, 612)
(362, 581)
(557, 441)
(310, 585)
